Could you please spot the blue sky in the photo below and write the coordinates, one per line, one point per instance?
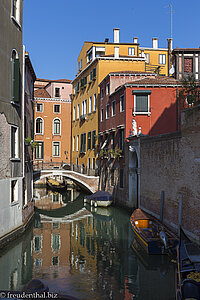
(54, 31)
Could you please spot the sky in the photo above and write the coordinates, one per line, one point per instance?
(54, 31)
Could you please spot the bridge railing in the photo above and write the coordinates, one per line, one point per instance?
(41, 165)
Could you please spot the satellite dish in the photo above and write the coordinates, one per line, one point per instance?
(172, 70)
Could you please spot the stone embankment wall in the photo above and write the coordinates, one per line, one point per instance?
(171, 163)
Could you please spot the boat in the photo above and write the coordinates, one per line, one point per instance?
(99, 198)
(55, 185)
(188, 269)
(153, 236)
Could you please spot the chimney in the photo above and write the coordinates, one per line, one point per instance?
(169, 44)
(116, 54)
(116, 35)
(155, 43)
(135, 40)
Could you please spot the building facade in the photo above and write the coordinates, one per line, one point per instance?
(146, 106)
(52, 121)
(15, 105)
(95, 62)
(186, 62)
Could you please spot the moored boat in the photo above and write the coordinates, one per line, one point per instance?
(153, 236)
(100, 198)
(188, 269)
(55, 185)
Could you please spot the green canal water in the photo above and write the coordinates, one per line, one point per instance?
(89, 253)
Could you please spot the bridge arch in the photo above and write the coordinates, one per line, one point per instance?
(90, 183)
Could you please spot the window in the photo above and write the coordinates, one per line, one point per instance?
(77, 143)
(14, 191)
(79, 66)
(93, 163)
(39, 107)
(89, 55)
(122, 103)
(102, 115)
(90, 105)
(55, 241)
(107, 111)
(147, 57)
(14, 142)
(57, 92)
(83, 143)
(88, 162)
(78, 111)
(95, 103)
(84, 108)
(37, 243)
(101, 93)
(15, 71)
(56, 126)
(99, 51)
(16, 10)
(81, 63)
(107, 89)
(39, 150)
(141, 102)
(121, 178)
(131, 51)
(93, 139)
(113, 108)
(121, 140)
(73, 145)
(188, 64)
(39, 126)
(91, 76)
(89, 141)
(56, 108)
(83, 82)
(74, 113)
(56, 148)
(162, 59)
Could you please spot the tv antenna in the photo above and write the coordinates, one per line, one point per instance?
(171, 11)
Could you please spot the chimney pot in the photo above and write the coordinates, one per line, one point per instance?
(135, 40)
(155, 43)
(116, 35)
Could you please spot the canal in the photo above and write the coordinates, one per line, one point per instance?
(89, 253)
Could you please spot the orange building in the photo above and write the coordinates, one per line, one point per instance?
(52, 120)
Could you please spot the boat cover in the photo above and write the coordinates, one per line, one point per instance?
(100, 196)
(138, 214)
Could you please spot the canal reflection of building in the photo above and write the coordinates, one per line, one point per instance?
(51, 244)
(48, 199)
(16, 263)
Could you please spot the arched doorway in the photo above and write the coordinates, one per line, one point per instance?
(133, 178)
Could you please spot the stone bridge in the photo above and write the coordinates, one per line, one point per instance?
(89, 183)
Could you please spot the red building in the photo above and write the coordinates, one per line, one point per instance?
(144, 106)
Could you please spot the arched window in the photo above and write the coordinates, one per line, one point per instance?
(56, 126)
(39, 126)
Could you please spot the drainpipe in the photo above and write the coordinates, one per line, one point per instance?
(23, 107)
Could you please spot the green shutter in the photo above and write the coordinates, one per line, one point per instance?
(141, 103)
(15, 80)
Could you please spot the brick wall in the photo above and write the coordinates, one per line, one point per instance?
(171, 163)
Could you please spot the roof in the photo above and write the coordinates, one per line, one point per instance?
(41, 93)
(56, 80)
(186, 49)
(159, 80)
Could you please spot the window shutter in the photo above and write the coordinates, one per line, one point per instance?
(42, 154)
(15, 80)
(141, 103)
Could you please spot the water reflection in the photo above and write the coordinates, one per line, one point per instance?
(88, 253)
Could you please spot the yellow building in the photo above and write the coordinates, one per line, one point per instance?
(96, 60)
